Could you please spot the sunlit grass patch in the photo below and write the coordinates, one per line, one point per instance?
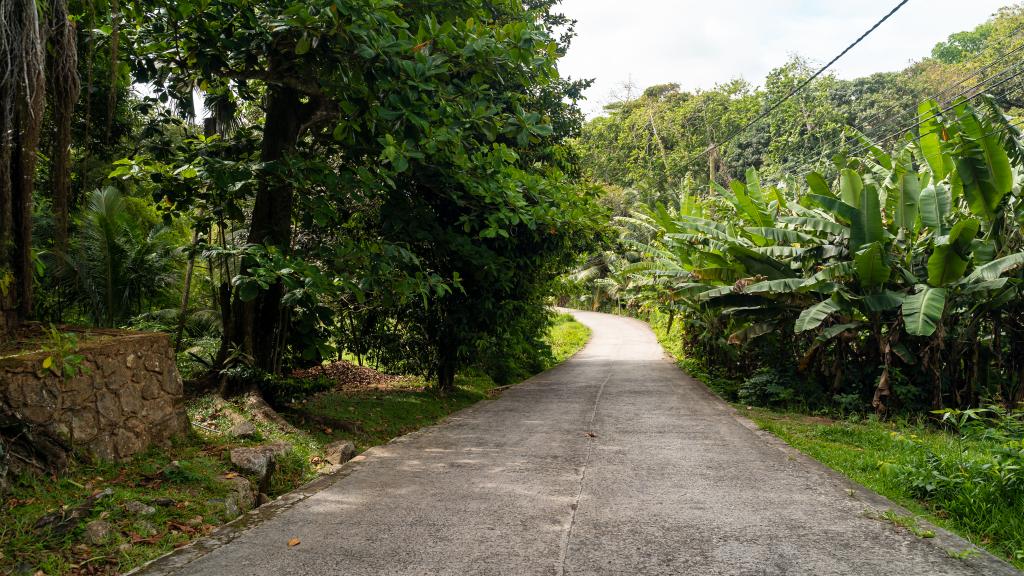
(965, 484)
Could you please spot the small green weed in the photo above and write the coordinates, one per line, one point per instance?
(62, 357)
(965, 554)
(908, 523)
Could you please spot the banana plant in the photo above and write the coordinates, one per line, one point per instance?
(902, 250)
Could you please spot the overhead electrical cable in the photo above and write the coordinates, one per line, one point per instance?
(954, 102)
(800, 86)
(942, 97)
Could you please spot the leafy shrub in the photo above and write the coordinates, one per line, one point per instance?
(767, 387)
(981, 489)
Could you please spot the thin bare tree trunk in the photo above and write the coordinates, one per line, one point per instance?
(186, 290)
(64, 90)
(115, 46)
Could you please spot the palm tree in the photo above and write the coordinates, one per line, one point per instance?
(117, 264)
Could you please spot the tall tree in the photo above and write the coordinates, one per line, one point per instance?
(448, 116)
(64, 86)
(22, 93)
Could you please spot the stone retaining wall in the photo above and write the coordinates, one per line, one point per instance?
(128, 397)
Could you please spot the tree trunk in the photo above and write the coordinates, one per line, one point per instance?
(447, 364)
(115, 45)
(258, 327)
(64, 90)
(186, 290)
(21, 110)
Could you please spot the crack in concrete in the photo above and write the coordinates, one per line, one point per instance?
(564, 552)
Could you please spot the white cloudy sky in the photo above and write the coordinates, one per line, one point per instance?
(698, 43)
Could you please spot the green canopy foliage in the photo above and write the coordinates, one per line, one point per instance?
(861, 276)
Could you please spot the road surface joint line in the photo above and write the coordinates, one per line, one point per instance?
(583, 477)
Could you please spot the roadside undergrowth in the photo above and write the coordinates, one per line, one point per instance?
(108, 518)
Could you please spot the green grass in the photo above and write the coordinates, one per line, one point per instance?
(566, 337)
(384, 414)
(191, 485)
(873, 454)
(202, 457)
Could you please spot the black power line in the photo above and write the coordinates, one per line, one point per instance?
(955, 102)
(801, 86)
(942, 97)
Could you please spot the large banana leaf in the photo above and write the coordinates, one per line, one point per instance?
(935, 203)
(949, 260)
(834, 272)
(783, 235)
(754, 186)
(815, 225)
(780, 251)
(690, 241)
(818, 184)
(850, 187)
(885, 300)
(983, 165)
(872, 270)
(907, 194)
(761, 264)
(865, 220)
(780, 196)
(884, 160)
(983, 251)
(835, 330)
(752, 331)
(922, 311)
(715, 292)
(932, 132)
(744, 205)
(691, 289)
(812, 317)
(836, 206)
(870, 229)
(784, 286)
(996, 268)
(711, 228)
(996, 284)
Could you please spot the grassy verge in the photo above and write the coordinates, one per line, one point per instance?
(566, 337)
(968, 481)
(382, 414)
(950, 480)
(186, 484)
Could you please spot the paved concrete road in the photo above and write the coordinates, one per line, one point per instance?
(671, 482)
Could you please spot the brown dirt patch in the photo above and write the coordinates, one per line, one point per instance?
(347, 377)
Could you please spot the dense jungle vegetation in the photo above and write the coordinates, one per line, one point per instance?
(860, 249)
(287, 189)
(392, 181)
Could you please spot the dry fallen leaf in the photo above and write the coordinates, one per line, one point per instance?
(230, 475)
(293, 542)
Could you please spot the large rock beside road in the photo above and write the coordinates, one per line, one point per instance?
(338, 453)
(259, 460)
